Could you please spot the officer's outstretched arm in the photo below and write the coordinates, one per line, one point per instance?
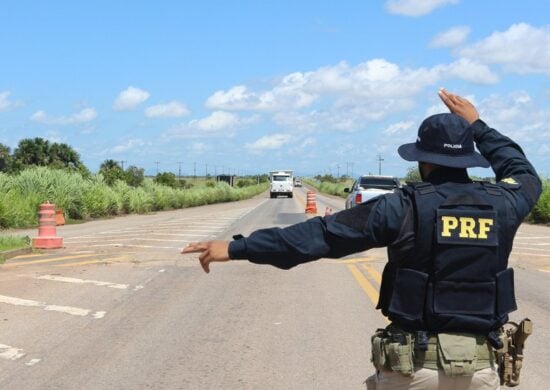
(210, 251)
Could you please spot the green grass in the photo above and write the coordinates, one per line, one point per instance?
(82, 198)
(12, 242)
(330, 188)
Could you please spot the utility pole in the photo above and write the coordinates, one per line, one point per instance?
(122, 163)
(338, 170)
(194, 171)
(205, 170)
(157, 162)
(179, 170)
(380, 159)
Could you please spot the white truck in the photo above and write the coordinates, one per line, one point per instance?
(281, 183)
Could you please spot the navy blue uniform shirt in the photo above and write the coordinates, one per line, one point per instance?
(389, 219)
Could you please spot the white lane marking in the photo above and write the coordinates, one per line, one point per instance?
(75, 311)
(82, 281)
(162, 270)
(137, 246)
(544, 270)
(99, 314)
(532, 238)
(10, 353)
(132, 238)
(138, 287)
(541, 243)
(32, 362)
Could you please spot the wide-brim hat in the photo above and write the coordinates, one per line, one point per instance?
(444, 139)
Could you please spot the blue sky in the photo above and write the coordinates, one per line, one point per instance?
(251, 86)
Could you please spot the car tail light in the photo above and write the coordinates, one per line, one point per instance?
(358, 198)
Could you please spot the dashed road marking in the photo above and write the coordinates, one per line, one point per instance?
(75, 311)
(29, 256)
(373, 273)
(50, 260)
(32, 362)
(10, 353)
(102, 261)
(64, 279)
(364, 283)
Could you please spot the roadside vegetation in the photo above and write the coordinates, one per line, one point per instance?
(329, 184)
(8, 243)
(39, 172)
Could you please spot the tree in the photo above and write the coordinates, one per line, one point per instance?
(5, 158)
(134, 176)
(167, 179)
(413, 175)
(31, 152)
(111, 171)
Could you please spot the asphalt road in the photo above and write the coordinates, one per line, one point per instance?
(120, 308)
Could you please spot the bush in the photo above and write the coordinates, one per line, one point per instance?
(541, 211)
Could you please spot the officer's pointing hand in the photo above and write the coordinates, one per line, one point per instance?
(210, 251)
(459, 106)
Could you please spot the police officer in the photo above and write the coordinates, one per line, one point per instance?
(446, 288)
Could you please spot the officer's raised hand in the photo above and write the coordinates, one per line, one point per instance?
(210, 251)
(459, 106)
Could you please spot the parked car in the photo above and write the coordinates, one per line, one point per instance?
(368, 187)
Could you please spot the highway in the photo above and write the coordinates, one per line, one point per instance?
(119, 308)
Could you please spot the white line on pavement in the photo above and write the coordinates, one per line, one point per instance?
(82, 281)
(137, 246)
(32, 362)
(10, 353)
(533, 238)
(75, 311)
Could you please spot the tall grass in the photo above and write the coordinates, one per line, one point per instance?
(82, 198)
(329, 187)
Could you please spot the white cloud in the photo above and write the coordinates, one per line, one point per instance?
(172, 109)
(520, 49)
(415, 7)
(451, 38)
(378, 84)
(269, 142)
(289, 92)
(200, 147)
(128, 145)
(469, 70)
(216, 121)
(83, 116)
(398, 127)
(130, 98)
(5, 103)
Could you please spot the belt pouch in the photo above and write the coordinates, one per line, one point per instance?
(379, 351)
(400, 355)
(457, 353)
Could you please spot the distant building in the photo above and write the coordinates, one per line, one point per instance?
(229, 179)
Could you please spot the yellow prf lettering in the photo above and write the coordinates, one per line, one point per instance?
(467, 225)
(449, 223)
(484, 227)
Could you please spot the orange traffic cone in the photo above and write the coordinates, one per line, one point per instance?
(311, 206)
(59, 217)
(47, 238)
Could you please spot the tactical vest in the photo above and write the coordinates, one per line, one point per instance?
(455, 279)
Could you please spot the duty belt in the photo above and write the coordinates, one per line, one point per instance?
(427, 354)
